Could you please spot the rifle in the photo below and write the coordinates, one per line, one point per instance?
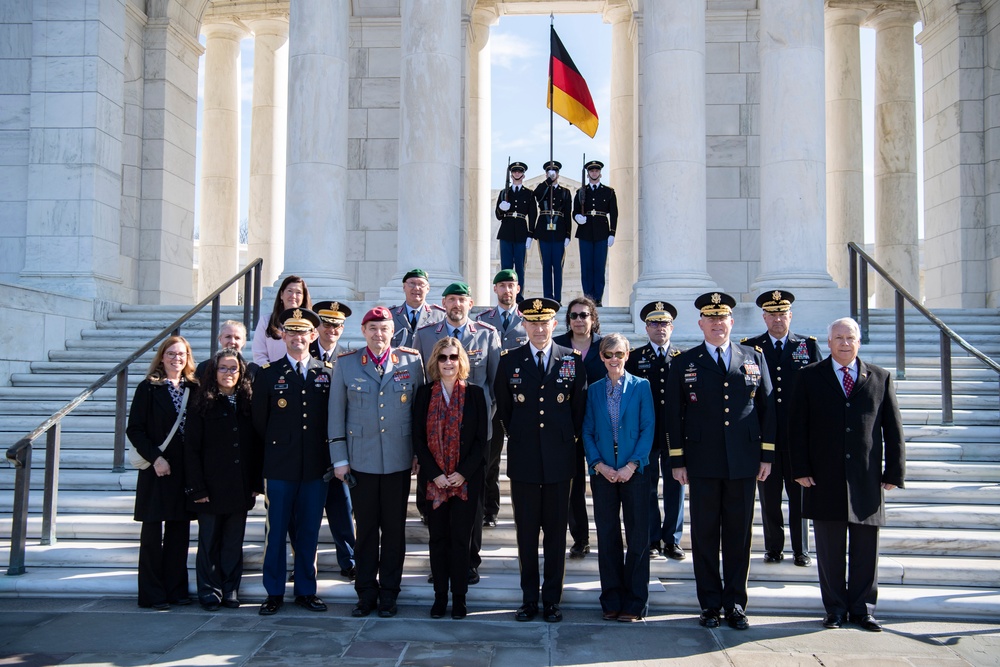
(583, 182)
(506, 183)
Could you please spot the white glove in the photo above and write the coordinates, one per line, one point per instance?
(527, 244)
(504, 206)
(611, 241)
(580, 219)
(565, 243)
(551, 173)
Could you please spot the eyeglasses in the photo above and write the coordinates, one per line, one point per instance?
(613, 355)
(415, 284)
(228, 371)
(660, 324)
(329, 325)
(175, 355)
(448, 357)
(579, 316)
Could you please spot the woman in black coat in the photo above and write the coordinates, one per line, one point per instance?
(222, 476)
(449, 438)
(159, 491)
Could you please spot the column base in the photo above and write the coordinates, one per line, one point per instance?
(818, 302)
(677, 289)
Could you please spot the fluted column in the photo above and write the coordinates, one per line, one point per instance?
(895, 154)
(845, 214)
(316, 177)
(218, 246)
(622, 261)
(792, 147)
(479, 208)
(266, 230)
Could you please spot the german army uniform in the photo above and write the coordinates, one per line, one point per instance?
(599, 205)
(516, 224)
(404, 329)
(552, 230)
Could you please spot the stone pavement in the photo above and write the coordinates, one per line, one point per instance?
(114, 631)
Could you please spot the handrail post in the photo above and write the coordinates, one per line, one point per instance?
(852, 257)
(863, 296)
(900, 338)
(50, 494)
(247, 306)
(19, 515)
(257, 288)
(216, 308)
(121, 399)
(947, 413)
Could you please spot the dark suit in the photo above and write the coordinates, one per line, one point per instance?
(850, 446)
(796, 353)
(553, 227)
(402, 335)
(721, 427)
(515, 228)
(644, 363)
(600, 206)
(543, 417)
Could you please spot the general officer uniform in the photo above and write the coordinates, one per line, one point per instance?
(552, 230)
(370, 430)
(784, 360)
(653, 363)
(720, 427)
(407, 320)
(510, 330)
(595, 209)
(289, 416)
(541, 404)
(517, 211)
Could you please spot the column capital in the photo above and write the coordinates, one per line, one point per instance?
(225, 29)
(478, 24)
(892, 17)
(616, 11)
(277, 26)
(835, 16)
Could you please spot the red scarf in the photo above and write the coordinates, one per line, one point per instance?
(444, 427)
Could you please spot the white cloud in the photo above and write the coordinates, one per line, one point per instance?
(507, 50)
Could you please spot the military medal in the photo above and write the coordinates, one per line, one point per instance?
(520, 398)
(403, 399)
(560, 398)
(282, 402)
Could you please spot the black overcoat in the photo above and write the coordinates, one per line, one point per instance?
(150, 419)
(221, 459)
(472, 439)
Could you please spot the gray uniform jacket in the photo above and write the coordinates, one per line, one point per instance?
(515, 336)
(403, 334)
(369, 423)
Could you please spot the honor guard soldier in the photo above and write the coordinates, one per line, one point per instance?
(482, 345)
(289, 415)
(541, 393)
(369, 435)
(507, 320)
(785, 353)
(720, 437)
(652, 361)
(553, 228)
(415, 312)
(517, 211)
(595, 209)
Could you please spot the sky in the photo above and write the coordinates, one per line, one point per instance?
(520, 120)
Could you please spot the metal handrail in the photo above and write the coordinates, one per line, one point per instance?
(859, 262)
(19, 454)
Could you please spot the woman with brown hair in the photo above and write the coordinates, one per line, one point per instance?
(268, 344)
(156, 431)
(449, 438)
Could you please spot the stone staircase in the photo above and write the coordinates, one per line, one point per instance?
(938, 553)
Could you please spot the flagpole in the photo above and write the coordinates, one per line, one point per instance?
(552, 23)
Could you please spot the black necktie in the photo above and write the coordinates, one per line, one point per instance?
(777, 347)
(506, 320)
(454, 333)
(541, 361)
(413, 320)
(660, 354)
(298, 368)
(718, 358)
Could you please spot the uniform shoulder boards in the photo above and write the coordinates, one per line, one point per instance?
(486, 325)
(675, 353)
(576, 352)
(328, 364)
(266, 365)
(743, 340)
(344, 354)
(408, 350)
(503, 352)
(758, 348)
(435, 306)
(812, 337)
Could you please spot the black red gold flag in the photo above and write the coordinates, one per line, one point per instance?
(569, 95)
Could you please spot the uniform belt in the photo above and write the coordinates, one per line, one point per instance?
(552, 214)
(602, 213)
(512, 214)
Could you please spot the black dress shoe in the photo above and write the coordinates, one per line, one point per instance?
(231, 603)
(628, 618)
(610, 615)
(655, 553)
(674, 551)
(210, 606)
(182, 602)
(387, 608)
(271, 605)
(489, 521)
(458, 608)
(526, 612)
(579, 550)
(866, 622)
(773, 556)
(160, 606)
(473, 576)
(361, 609)
(709, 618)
(423, 519)
(552, 613)
(737, 619)
(350, 574)
(439, 607)
(310, 602)
(833, 621)
(803, 559)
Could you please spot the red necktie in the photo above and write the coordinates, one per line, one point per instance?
(848, 381)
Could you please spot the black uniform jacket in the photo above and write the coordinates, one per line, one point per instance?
(849, 446)
(720, 426)
(220, 459)
(797, 353)
(592, 361)
(644, 363)
(516, 222)
(150, 419)
(559, 225)
(542, 414)
(289, 415)
(601, 208)
(472, 440)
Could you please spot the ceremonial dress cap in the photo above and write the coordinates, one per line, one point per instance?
(298, 319)
(332, 312)
(416, 273)
(714, 304)
(776, 301)
(518, 166)
(377, 314)
(552, 164)
(594, 164)
(461, 289)
(539, 309)
(505, 275)
(658, 311)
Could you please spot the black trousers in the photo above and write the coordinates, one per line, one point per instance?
(541, 507)
(624, 573)
(770, 507)
(579, 524)
(163, 552)
(380, 514)
(847, 589)
(491, 488)
(219, 564)
(451, 528)
(721, 511)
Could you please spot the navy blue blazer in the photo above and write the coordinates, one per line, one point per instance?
(636, 423)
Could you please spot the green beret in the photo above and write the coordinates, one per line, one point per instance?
(416, 273)
(460, 289)
(504, 276)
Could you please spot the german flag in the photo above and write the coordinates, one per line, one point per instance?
(569, 95)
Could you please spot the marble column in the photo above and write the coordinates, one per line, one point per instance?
(219, 210)
(622, 261)
(316, 175)
(672, 176)
(266, 232)
(896, 246)
(479, 207)
(845, 205)
(792, 148)
(430, 142)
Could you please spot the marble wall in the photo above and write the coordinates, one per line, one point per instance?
(992, 140)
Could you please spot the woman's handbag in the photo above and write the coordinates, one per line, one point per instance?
(135, 458)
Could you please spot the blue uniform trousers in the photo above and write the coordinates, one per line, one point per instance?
(593, 258)
(552, 267)
(669, 531)
(512, 257)
(284, 500)
(340, 518)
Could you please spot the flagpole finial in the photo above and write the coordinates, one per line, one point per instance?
(552, 19)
